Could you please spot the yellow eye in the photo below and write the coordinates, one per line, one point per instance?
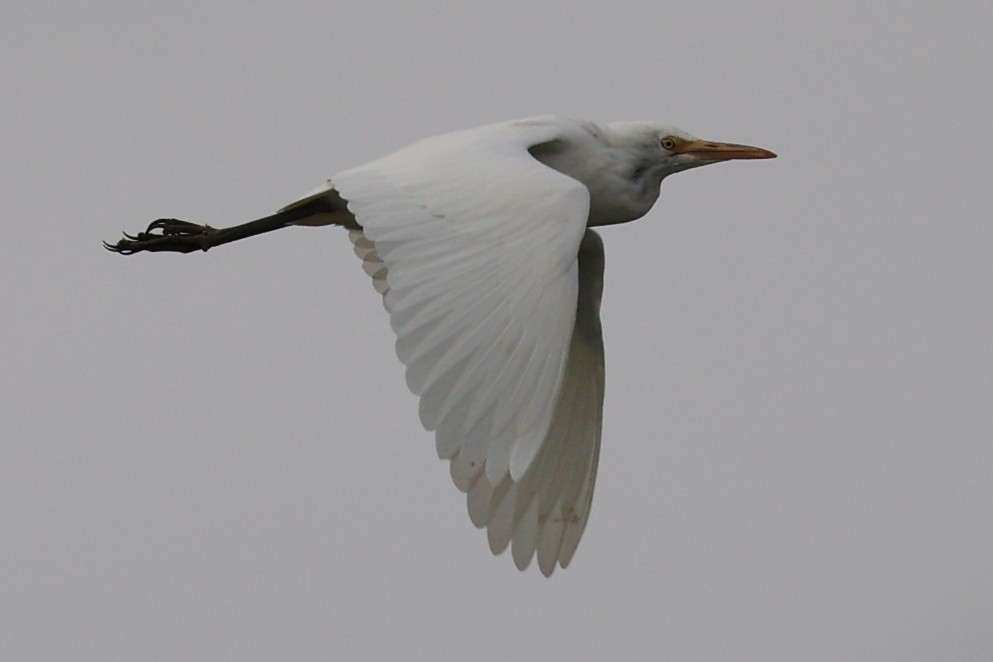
(667, 143)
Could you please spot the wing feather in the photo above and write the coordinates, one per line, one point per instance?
(473, 245)
(561, 478)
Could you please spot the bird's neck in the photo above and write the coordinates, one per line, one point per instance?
(621, 189)
(619, 198)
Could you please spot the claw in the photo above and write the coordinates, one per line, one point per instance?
(165, 234)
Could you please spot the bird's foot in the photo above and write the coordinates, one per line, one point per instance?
(166, 234)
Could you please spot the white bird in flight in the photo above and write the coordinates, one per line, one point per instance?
(479, 242)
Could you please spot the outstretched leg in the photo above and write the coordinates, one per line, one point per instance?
(173, 235)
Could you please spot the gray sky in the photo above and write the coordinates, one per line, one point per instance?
(215, 456)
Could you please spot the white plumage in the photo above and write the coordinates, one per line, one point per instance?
(481, 289)
(478, 242)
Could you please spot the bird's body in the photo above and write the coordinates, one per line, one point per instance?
(478, 241)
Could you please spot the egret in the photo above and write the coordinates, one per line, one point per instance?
(479, 242)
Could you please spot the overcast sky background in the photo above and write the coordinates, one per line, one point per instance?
(215, 456)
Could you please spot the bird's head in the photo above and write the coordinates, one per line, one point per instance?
(624, 182)
(623, 163)
(662, 149)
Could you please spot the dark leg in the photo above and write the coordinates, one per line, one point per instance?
(173, 235)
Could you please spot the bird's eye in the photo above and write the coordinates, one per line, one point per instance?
(667, 142)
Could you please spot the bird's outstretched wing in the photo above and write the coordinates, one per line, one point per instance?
(474, 245)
